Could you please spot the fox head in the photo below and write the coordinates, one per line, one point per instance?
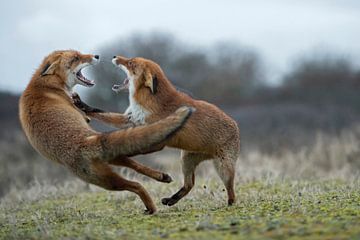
(140, 73)
(67, 65)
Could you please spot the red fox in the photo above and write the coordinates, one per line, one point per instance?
(208, 134)
(60, 132)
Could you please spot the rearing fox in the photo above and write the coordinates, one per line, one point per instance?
(60, 132)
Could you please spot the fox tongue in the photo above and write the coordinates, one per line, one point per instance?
(84, 79)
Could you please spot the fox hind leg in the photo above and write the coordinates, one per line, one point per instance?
(190, 160)
(101, 174)
(225, 167)
(142, 169)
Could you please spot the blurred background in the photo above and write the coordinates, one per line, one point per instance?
(288, 72)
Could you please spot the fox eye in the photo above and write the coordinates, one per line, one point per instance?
(74, 59)
(131, 64)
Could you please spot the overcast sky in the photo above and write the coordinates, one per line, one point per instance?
(279, 30)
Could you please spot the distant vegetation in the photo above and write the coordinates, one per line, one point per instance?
(231, 75)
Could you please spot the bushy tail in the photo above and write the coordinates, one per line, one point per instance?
(140, 139)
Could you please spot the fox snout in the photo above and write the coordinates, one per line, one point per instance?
(117, 60)
(95, 59)
(86, 59)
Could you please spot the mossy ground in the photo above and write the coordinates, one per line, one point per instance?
(264, 209)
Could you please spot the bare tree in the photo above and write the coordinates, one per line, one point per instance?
(322, 79)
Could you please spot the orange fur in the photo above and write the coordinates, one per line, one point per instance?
(208, 134)
(60, 132)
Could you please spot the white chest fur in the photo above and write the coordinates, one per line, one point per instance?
(137, 112)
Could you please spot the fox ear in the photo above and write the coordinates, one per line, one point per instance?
(49, 69)
(151, 81)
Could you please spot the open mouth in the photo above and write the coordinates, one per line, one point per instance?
(120, 87)
(84, 80)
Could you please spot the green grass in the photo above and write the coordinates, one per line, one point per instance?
(265, 209)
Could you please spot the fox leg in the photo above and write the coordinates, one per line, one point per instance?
(128, 162)
(133, 141)
(225, 167)
(190, 160)
(114, 119)
(101, 174)
(83, 106)
(117, 120)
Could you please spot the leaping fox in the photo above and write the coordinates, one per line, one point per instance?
(60, 132)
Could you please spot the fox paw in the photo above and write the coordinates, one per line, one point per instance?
(78, 102)
(166, 178)
(168, 201)
(185, 112)
(75, 97)
(231, 202)
(149, 211)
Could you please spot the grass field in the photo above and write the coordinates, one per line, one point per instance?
(328, 209)
(310, 194)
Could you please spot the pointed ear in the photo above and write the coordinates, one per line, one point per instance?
(151, 81)
(49, 69)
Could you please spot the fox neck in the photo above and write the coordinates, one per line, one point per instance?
(131, 92)
(70, 83)
(161, 104)
(138, 112)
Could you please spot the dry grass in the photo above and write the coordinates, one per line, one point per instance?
(312, 193)
(329, 158)
(267, 208)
